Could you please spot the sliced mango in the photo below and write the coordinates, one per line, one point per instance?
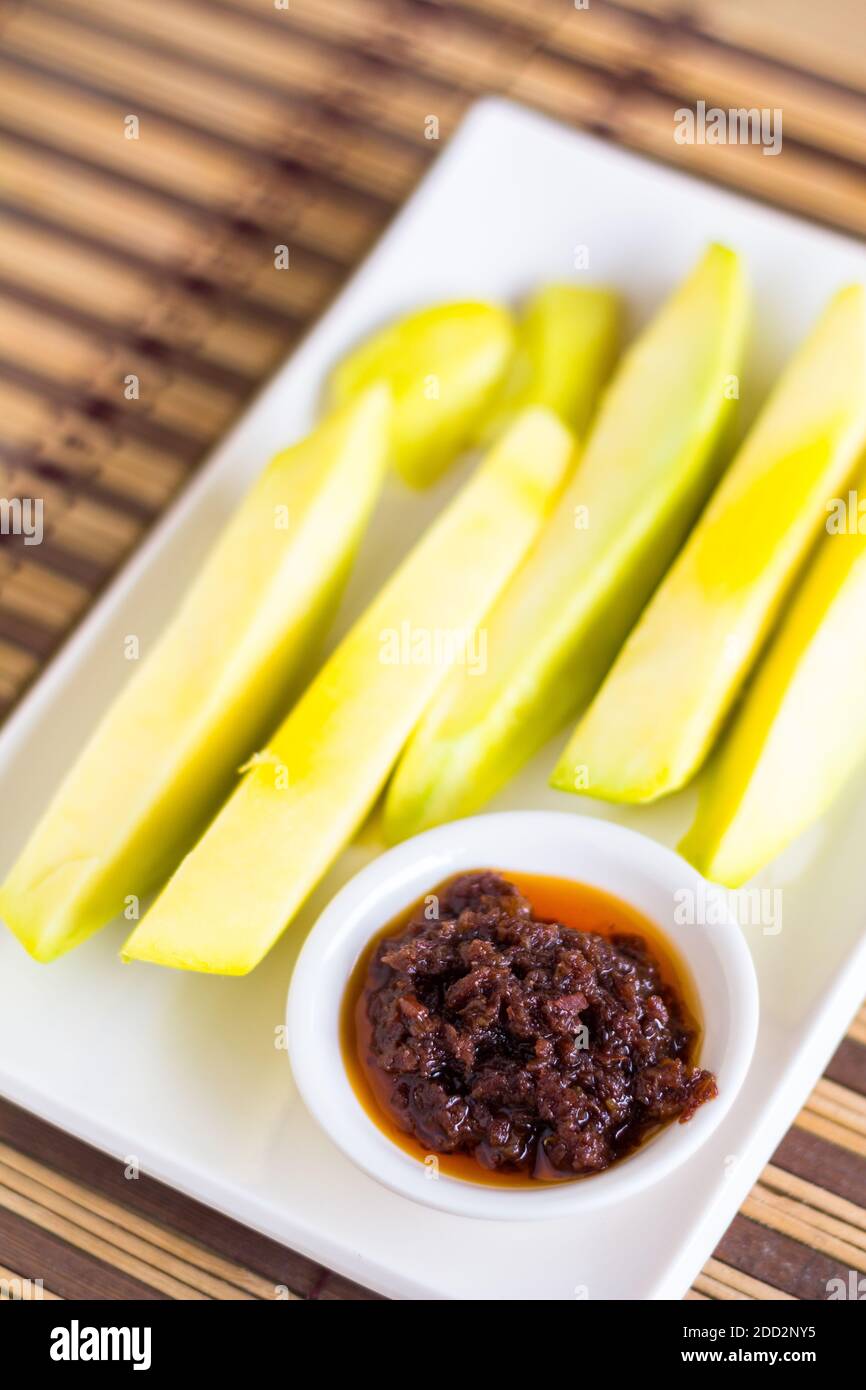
(664, 701)
(308, 792)
(214, 684)
(442, 364)
(801, 729)
(649, 463)
(566, 346)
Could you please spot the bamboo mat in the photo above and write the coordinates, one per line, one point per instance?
(302, 122)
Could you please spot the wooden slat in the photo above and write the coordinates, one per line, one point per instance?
(44, 431)
(741, 1285)
(778, 1259)
(812, 1195)
(799, 180)
(835, 1133)
(716, 1289)
(41, 1216)
(555, 86)
(155, 1213)
(131, 298)
(282, 58)
(170, 1254)
(782, 1215)
(809, 1158)
(816, 38)
(847, 1066)
(17, 669)
(33, 593)
(540, 19)
(77, 524)
(71, 1272)
(849, 1234)
(181, 240)
(188, 166)
(812, 112)
(858, 1027)
(671, 10)
(76, 357)
(695, 67)
(29, 1290)
(610, 38)
(439, 43)
(207, 101)
(680, 60)
(840, 1104)
(168, 157)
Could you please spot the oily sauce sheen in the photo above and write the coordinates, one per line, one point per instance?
(522, 1029)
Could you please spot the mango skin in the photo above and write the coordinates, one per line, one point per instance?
(307, 793)
(167, 749)
(566, 346)
(654, 452)
(667, 695)
(441, 363)
(800, 731)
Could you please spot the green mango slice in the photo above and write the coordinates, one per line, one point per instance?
(442, 364)
(306, 794)
(800, 732)
(214, 684)
(663, 704)
(650, 460)
(567, 342)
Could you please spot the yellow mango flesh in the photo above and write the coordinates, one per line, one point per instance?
(441, 363)
(649, 462)
(665, 699)
(164, 754)
(801, 729)
(310, 789)
(566, 346)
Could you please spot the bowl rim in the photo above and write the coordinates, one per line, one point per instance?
(398, 877)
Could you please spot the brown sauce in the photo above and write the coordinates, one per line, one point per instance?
(466, 1049)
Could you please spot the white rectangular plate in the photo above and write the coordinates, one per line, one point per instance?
(181, 1071)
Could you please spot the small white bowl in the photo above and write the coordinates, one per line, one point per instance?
(596, 852)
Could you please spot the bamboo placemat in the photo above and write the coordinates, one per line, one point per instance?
(304, 123)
